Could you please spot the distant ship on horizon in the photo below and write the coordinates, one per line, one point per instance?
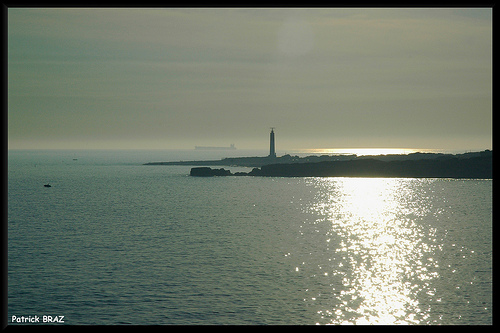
(231, 147)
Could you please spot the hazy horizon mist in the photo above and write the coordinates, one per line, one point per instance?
(174, 78)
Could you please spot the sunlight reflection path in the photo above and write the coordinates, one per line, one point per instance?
(386, 257)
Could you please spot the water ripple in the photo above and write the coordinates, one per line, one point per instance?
(386, 256)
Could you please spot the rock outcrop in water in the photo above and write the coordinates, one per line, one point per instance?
(209, 172)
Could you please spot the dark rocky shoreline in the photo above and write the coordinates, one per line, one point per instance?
(470, 165)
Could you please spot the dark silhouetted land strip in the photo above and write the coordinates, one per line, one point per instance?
(257, 161)
(477, 165)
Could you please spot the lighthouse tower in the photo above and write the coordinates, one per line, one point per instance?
(272, 149)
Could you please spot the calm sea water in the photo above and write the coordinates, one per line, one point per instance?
(116, 242)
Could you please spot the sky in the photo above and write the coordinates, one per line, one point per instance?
(173, 78)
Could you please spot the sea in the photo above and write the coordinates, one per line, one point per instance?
(116, 242)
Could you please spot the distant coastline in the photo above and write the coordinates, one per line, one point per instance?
(416, 165)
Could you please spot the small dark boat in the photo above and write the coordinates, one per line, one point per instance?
(47, 185)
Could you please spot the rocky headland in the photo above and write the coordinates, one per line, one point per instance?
(477, 165)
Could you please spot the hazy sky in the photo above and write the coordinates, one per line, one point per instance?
(176, 78)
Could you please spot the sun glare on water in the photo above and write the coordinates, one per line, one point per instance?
(362, 151)
(389, 258)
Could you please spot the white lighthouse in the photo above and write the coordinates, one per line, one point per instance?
(272, 149)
